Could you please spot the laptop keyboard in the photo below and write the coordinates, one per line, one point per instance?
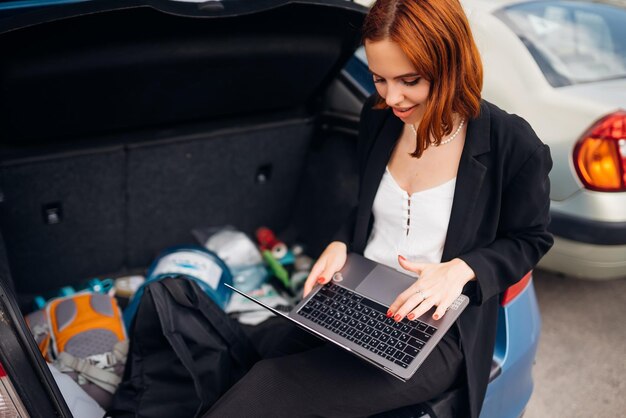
(364, 322)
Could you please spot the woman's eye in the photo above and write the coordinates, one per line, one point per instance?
(411, 82)
(379, 80)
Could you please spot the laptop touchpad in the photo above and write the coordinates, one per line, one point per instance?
(384, 284)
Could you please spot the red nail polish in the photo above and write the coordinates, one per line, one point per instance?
(389, 313)
(411, 316)
(321, 280)
(436, 316)
(397, 318)
(401, 258)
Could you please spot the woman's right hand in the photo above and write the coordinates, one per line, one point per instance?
(331, 261)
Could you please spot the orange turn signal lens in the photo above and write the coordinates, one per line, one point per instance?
(600, 156)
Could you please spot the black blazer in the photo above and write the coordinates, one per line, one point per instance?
(498, 221)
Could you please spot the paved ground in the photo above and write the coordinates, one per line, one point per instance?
(581, 362)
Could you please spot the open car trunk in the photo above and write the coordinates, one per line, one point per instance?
(122, 129)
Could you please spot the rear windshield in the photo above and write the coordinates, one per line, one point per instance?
(572, 42)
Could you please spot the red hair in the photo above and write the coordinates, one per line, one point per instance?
(436, 37)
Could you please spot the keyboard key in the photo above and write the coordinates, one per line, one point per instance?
(390, 351)
(410, 350)
(419, 335)
(407, 359)
(430, 330)
(375, 306)
(415, 343)
(401, 363)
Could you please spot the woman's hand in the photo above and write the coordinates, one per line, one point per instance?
(331, 261)
(438, 285)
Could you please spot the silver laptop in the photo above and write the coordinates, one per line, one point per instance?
(350, 312)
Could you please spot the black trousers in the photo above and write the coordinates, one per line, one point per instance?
(302, 376)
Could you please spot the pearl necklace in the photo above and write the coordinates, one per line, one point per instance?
(447, 140)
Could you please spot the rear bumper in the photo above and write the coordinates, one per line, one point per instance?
(590, 236)
(585, 261)
(587, 231)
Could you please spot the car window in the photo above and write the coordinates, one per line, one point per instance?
(572, 42)
(358, 70)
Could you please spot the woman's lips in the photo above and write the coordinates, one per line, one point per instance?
(403, 112)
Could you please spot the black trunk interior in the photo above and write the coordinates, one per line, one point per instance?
(122, 130)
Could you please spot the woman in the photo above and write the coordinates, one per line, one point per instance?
(452, 190)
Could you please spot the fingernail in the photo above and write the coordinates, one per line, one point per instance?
(397, 318)
(401, 258)
(321, 280)
(435, 316)
(411, 316)
(389, 313)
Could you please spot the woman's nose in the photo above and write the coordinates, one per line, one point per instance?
(394, 96)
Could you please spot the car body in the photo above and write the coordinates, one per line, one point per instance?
(125, 124)
(561, 65)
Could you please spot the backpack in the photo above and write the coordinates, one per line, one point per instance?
(204, 267)
(83, 335)
(185, 352)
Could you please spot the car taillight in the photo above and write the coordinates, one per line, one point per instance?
(10, 404)
(513, 291)
(600, 155)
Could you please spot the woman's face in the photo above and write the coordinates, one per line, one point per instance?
(397, 80)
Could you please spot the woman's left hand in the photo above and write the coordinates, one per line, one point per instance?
(438, 285)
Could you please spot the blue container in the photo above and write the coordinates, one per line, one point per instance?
(194, 262)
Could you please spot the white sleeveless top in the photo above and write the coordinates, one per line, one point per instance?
(414, 226)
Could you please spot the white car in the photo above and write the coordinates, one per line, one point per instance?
(562, 66)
